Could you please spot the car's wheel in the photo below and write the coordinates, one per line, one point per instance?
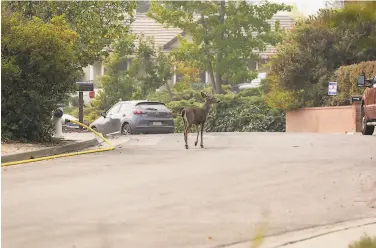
(126, 129)
(366, 130)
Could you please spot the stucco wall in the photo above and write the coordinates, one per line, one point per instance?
(341, 119)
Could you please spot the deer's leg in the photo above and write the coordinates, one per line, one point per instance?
(185, 134)
(202, 131)
(198, 132)
(186, 131)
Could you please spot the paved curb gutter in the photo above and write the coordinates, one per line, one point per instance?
(306, 235)
(49, 151)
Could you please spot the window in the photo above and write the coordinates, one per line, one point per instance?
(152, 105)
(124, 107)
(143, 6)
(114, 109)
(203, 77)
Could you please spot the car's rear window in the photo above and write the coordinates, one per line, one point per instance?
(152, 105)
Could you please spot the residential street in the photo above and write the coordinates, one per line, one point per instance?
(152, 192)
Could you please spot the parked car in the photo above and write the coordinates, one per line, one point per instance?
(368, 107)
(131, 117)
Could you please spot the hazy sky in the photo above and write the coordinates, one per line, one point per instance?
(307, 7)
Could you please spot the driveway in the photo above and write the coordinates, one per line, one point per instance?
(152, 192)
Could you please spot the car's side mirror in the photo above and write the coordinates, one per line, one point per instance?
(361, 81)
(103, 114)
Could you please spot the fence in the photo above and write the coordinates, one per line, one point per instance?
(339, 119)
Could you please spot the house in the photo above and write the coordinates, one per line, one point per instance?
(167, 39)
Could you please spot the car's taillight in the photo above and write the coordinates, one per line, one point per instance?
(138, 112)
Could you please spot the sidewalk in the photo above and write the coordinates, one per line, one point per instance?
(337, 236)
(338, 239)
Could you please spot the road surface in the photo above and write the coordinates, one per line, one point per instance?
(152, 192)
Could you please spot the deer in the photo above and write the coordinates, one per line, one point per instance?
(197, 116)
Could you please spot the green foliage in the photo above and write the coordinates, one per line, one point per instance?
(39, 68)
(364, 242)
(346, 78)
(315, 48)
(98, 23)
(222, 33)
(243, 112)
(151, 68)
(132, 72)
(117, 83)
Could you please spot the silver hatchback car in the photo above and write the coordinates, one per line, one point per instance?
(131, 117)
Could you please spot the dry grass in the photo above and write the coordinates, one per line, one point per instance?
(364, 242)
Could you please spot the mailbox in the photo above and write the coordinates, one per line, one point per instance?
(355, 99)
(85, 86)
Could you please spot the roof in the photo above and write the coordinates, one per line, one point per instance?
(285, 22)
(150, 28)
(163, 36)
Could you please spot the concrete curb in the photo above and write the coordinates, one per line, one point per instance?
(306, 235)
(50, 151)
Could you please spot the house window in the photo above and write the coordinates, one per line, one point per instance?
(129, 63)
(143, 6)
(253, 65)
(203, 77)
(179, 77)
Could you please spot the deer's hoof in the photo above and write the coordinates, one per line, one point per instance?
(186, 146)
(202, 146)
(196, 143)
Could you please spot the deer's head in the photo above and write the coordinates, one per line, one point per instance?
(209, 99)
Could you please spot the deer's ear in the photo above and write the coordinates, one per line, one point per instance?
(203, 94)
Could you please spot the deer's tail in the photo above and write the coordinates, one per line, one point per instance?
(182, 113)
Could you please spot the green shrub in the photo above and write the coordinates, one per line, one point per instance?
(347, 78)
(234, 113)
(364, 242)
(39, 69)
(244, 114)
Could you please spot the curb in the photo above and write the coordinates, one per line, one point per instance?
(50, 151)
(306, 235)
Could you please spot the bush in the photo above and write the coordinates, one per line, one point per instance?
(39, 69)
(347, 78)
(364, 242)
(243, 112)
(311, 52)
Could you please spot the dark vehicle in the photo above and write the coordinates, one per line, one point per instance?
(131, 117)
(368, 108)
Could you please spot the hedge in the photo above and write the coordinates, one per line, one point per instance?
(346, 78)
(39, 69)
(235, 113)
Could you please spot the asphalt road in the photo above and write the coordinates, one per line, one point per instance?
(152, 192)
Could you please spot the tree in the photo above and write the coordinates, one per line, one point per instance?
(223, 34)
(314, 49)
(98, 23)
(38, 71)
(134, 72)
(151, 68)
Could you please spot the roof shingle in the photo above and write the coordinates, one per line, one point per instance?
(162, 35)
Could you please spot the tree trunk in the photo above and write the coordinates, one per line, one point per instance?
(218, 72)
(209, 66)
(168, 88)
(212, 79)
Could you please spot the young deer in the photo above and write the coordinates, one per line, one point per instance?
(197, 116)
